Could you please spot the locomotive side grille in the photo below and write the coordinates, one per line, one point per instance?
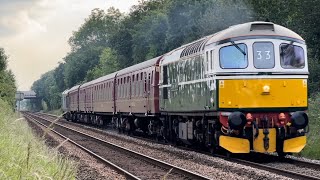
(193, 48)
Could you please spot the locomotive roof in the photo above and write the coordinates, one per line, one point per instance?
(256, 29)
(253, 29)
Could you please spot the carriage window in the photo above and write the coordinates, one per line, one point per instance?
(145, 82)
(234, 57)
(112, 93)
(291, 56)
(133, 87)
(149, 82)
(105, 91)
(165, 75)
(152, 78)
(99, 92)
(207, 60)
(211, 59)
(263, 55)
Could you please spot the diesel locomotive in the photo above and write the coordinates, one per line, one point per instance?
(242, 89)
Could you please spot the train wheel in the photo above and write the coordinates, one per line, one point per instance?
(127, 125)
(114, 122)
(72, 118)
(100, 120)
(118, 125)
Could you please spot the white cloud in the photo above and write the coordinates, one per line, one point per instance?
(34, 33)
(22, 22)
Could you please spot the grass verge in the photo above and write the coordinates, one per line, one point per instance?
(56, 112)
(23, 156)
(312, 149)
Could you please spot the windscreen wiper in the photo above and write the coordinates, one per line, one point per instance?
(235, 45)
(285, 48)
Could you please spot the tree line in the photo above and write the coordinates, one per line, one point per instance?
(7, 80)
(109, 40)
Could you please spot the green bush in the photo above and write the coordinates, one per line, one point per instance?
(23, 156)
(312, 150)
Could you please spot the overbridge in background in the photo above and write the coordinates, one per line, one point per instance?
(21, 95)
(21, 100)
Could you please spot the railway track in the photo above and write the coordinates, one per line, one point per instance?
(132, 164)
(295, 169)
(289, 167)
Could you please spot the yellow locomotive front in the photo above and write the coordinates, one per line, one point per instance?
(261, 89)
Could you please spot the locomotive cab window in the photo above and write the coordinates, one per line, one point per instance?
(234, 56)
(263, 55)
(291, 56)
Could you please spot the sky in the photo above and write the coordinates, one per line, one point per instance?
(35, 33)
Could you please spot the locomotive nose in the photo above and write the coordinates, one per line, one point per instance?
(237, 120)
(299, 119)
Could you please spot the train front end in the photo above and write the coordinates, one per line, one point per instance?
(261, 90)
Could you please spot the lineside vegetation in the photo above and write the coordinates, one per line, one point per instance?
(23, 156)
(313, 144)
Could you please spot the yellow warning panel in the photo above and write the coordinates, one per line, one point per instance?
(294, 145)
(235, 145)
(259, 145)
(263, 93)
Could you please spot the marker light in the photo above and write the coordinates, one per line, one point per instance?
(266, 89)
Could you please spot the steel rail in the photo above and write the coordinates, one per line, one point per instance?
(151, 160)
(283, 172)
(119, 169)
(286, 173)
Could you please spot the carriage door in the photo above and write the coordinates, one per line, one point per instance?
(115, 94)
(85, 100)
(91, 99)
(147, 90)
